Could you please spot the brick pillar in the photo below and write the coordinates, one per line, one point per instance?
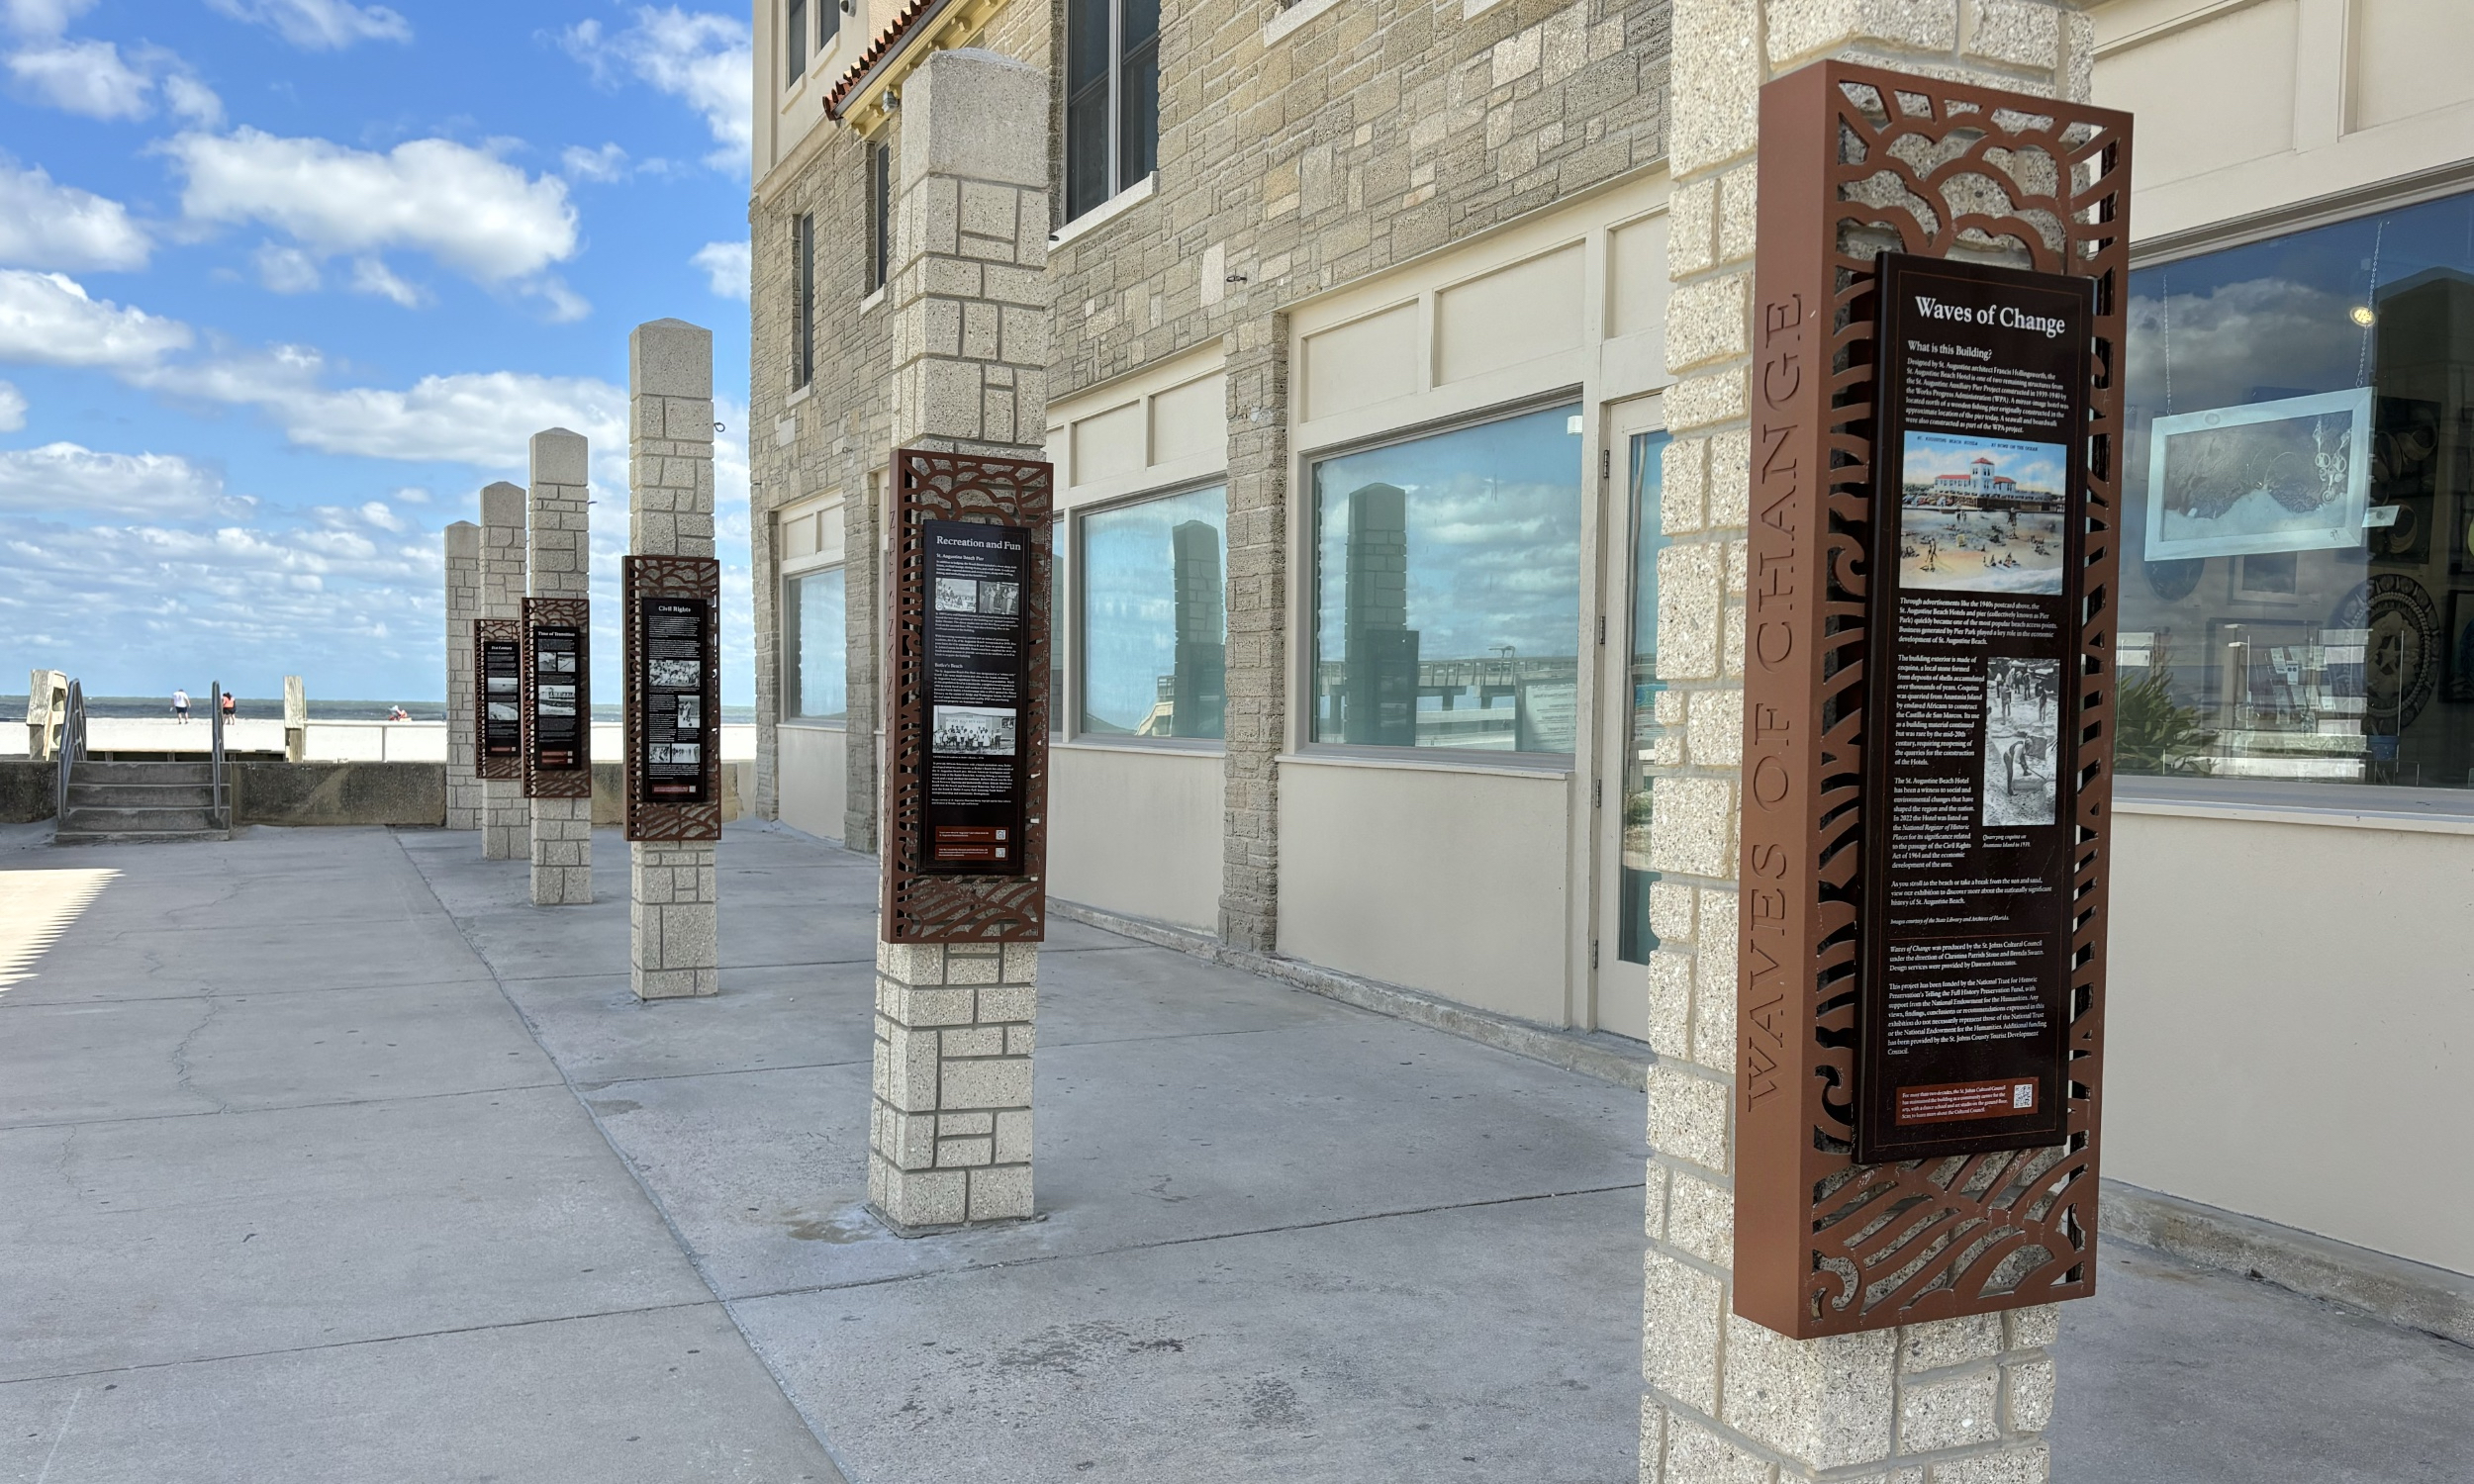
(1258, 631)
(950, 1140)
(674, 905)
(505, 818)
(1960, 1400)
(463, 605)
(558, 564)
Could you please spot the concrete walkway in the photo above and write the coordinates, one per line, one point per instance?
(328, 1158)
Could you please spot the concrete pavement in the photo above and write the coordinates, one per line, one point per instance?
(331, 1158)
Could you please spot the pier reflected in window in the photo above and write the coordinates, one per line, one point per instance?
(1153, 629)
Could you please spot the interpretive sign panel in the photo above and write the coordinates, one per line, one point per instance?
(1928, 710)
(673, 661)
(1980, 435)
(967, 700)
(498, 702)
(558, 699)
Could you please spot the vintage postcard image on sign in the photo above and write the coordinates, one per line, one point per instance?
(1981, 515)
(2293, 475)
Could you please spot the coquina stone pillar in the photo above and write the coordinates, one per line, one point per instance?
(463, 605)
(1258, 631)
(560, 565)
(507, 820)
(950, 1140)
(1962, 1401)
(674, 906)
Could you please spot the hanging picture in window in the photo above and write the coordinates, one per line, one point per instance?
(2291, 475)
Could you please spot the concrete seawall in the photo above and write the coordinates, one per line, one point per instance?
(412, 794)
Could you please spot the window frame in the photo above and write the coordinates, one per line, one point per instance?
(880, 214)
(795, 49)
(1305, 593)
(1077, 666)
(788, 661)
(1111, 101)
(802, 300)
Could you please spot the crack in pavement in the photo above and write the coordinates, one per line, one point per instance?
(180, 1055)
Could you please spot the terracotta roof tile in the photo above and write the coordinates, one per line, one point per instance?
(887, 42)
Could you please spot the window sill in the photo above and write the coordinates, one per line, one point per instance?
(1187, 747)
(876, 296)
(1106, 210)
(809, 724)
(800, 393)
(2360, 807)
(1409, 760)
(1289, 21)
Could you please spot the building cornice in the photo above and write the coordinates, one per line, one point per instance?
(872, 87)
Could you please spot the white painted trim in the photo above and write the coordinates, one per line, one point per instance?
(1176, 747)
(1546, 773)
(2330, 818)
(1106, 210)
(875, 297)
(804, 724)
(1288, 21)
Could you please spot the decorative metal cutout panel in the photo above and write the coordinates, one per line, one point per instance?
(1853, 161)
(574, 781)
(919, 906)
(698, 581)
(507, 765)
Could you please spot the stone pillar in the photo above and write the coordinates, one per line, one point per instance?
(1258, 631)
(295, 720)
(506, 820)
(463, 605)
(1960, 1400)
(950, 1140)
(675, 944)
(558, 564)
(862, 601)
(47, 709)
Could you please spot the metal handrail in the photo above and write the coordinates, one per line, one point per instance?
(72, 747)
(215, 748)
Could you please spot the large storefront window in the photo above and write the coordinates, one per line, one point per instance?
(2298, 574)
(815, 660)
(1448, 589)
(1154, 623)
(1633, 939)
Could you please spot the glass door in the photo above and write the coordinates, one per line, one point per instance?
(1636, 439)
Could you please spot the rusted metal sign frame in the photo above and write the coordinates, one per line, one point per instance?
(559, 783)
(647, 577)
(1855, 159)
(918, 907)
(484, 632)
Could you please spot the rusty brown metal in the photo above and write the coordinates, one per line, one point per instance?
(1855, 160)
(918, 907)
(486, 631)
(640, 578)
(560, 783)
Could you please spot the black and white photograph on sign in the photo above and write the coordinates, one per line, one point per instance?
(690, 715)
(957, 594)
(557, 662)
(1004, 599)
(974, 731)
(2019, 774)
(673, 752)
(506, 710)
(675, 674)
(2293, 475)
(1981, 515)
(558, 700)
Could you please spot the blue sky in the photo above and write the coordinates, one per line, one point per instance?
(284, 282)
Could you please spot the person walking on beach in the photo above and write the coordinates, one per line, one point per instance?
(230, 707)
(180, 703)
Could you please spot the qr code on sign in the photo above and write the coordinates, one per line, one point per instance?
(2022, 1095)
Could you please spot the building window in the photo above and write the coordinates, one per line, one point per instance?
(1633, 939)
(1447, 601)
(2298, 481)
(815, 662)
(794, 40)
(1056, 626)
(880, 213)
(1153, 630)
(802, 300)
(1111, 98)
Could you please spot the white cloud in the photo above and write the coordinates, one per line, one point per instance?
(285, 270)
(65, 478)
(48, 320)
(607, 163)
(42, 18)
(12, 407)
(727, 267)
(372, 276)
(82, 77)
(193, 101)
(703, 59)
(43, 225)
(319, 25)
(464, 207)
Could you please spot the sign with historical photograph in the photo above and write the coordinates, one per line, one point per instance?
(672, 659)
(558, 699)
(977, 682)
(497, 703)
(966, 698)
(1980, 438)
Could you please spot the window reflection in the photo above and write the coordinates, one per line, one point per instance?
(1056, 626)
(1634, 938)
(2298, 594)
(813, 655)
(1448, 589)
(1154, 629)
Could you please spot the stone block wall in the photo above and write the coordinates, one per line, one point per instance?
(463, 605)
(507, 816)
(674, 914)
(560, 565)
(950, 1137)
(1952, 1402)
